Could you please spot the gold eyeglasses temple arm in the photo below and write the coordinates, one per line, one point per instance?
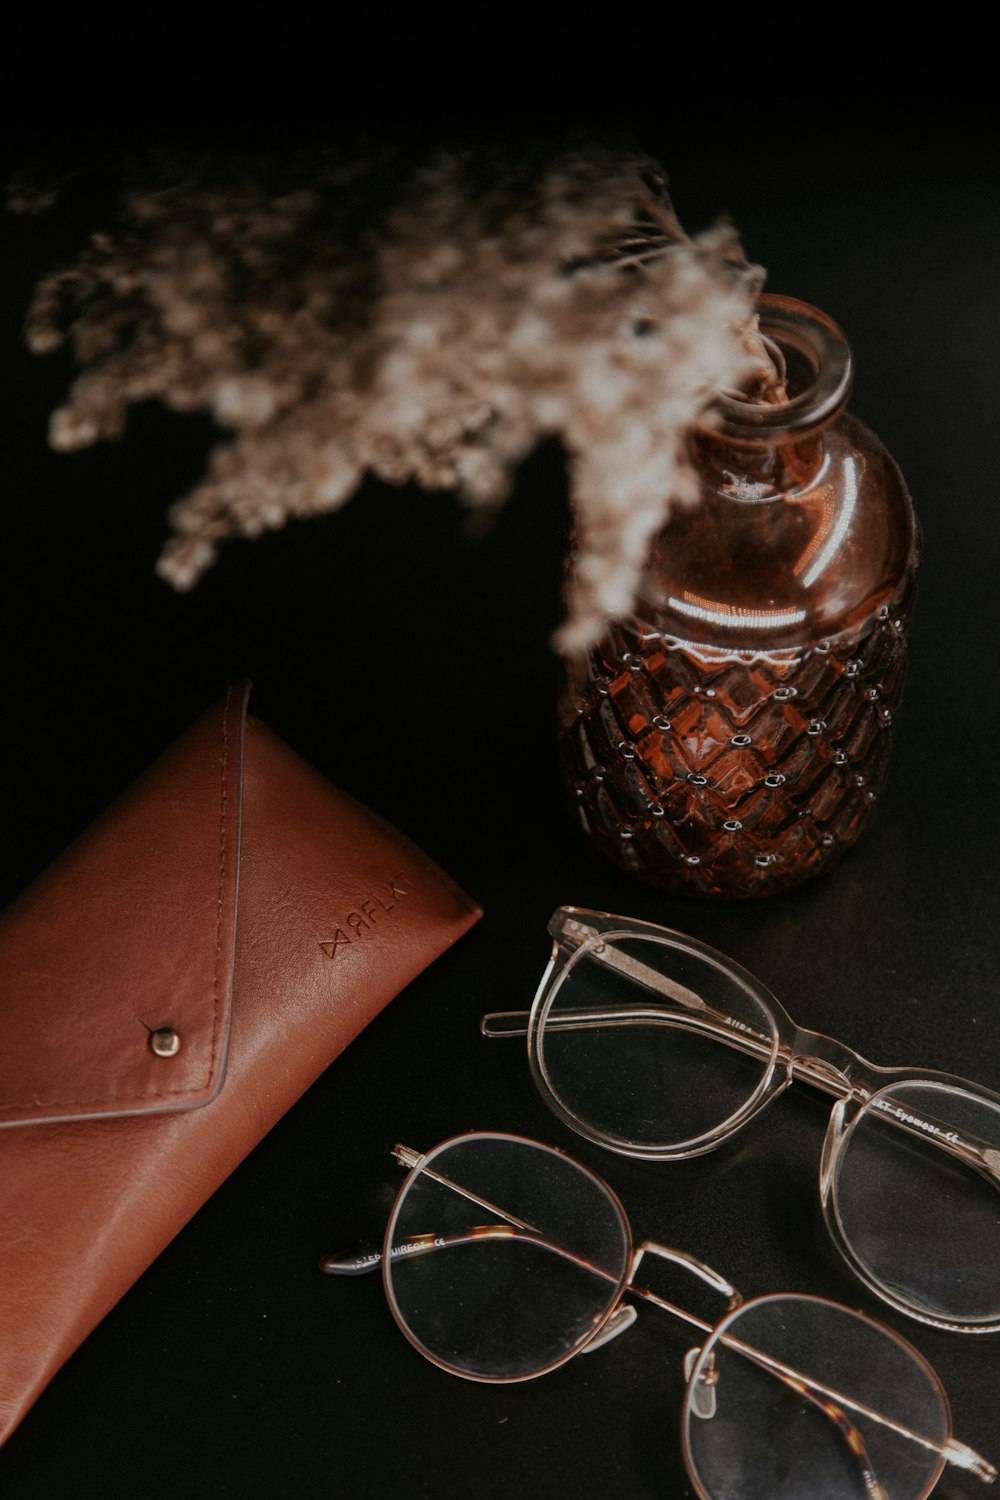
(954, 1452)
(407, 1157)
(828, 1400)
(367, 1258)
(364, 1258)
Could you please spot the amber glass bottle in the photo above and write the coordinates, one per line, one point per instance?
(731, 738)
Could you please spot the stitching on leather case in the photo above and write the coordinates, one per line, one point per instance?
(141, 1097)
(223, 809)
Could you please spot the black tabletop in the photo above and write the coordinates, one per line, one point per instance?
(410, 662)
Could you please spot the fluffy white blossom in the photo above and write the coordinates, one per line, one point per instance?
(432, 324)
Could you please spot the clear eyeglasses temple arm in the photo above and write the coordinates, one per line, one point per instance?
(699, 1017)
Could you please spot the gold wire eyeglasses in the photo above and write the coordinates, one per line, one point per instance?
(503, 1258)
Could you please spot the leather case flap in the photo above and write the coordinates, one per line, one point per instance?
(154, 882)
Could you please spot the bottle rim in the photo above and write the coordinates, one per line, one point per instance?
(807, 332)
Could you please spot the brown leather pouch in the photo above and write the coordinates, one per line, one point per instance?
(168, 988)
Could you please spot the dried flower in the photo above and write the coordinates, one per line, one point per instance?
(433, 325)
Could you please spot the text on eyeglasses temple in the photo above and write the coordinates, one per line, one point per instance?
(417, 1246)
(914, 1120)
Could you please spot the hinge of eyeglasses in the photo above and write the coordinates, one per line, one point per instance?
(575, 933)
(820, 1072)
(407, 1157)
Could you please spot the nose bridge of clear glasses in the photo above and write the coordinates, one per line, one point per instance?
(825, 1063)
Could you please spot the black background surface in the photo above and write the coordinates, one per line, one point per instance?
(411, 665)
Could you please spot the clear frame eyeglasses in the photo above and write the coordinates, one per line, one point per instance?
(654, 1045)
(504, 1258)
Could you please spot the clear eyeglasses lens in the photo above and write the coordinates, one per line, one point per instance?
(651, 1045)
(765, 1435)
(503, 1257)
(917, 1199)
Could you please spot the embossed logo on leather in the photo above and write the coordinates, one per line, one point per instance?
(368, 914)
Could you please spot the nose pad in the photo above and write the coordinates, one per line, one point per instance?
(616, 1324)
(703, 1402)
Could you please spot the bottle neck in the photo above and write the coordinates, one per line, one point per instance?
(754, 474)
(766, 442)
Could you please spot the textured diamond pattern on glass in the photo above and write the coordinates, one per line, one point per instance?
(769, 1438)
(769, 768)
(503, 1257)
(651, 1044)
(917, 1198)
